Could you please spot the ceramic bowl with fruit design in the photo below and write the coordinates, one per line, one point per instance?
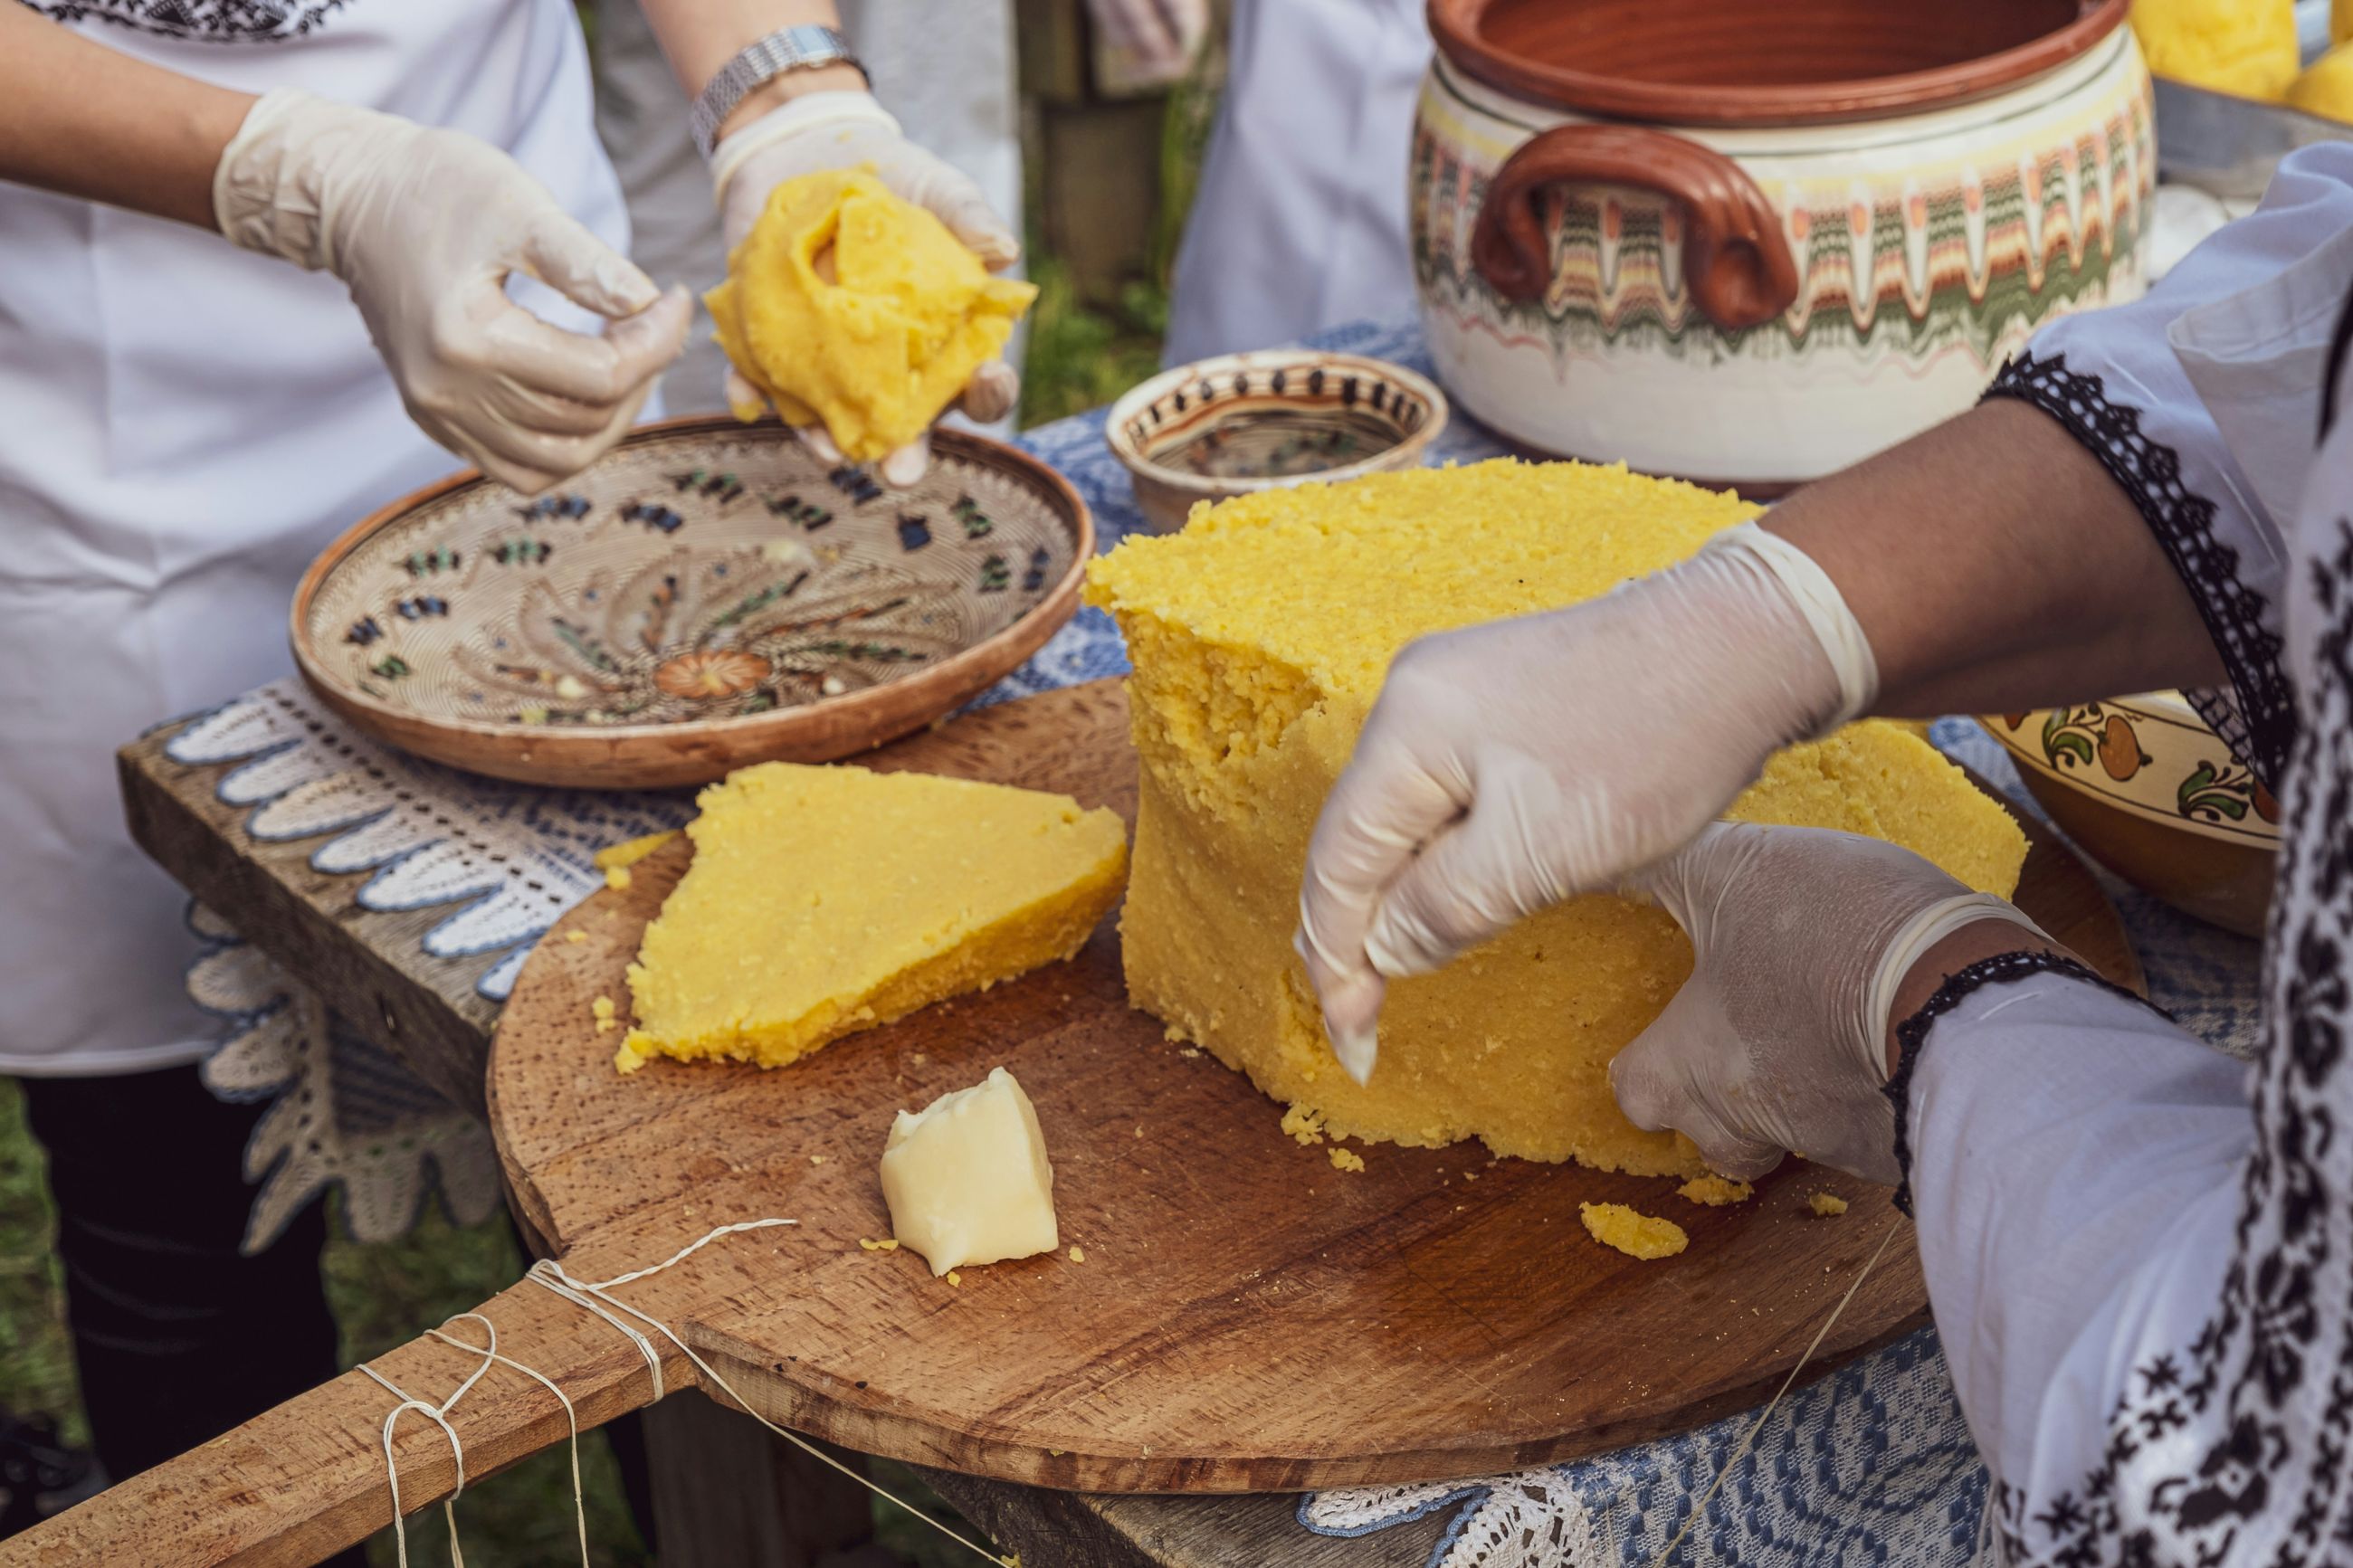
(2151, 792)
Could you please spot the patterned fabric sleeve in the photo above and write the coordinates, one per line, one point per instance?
(2112, 378)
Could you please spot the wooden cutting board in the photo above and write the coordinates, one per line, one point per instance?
(1247, 1317)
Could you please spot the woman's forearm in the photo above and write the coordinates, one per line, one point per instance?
(1996, 567)
(85, 121)
(702, 36)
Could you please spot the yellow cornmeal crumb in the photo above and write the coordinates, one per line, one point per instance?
(955, 1278)
(630, 851)
(629, 1058)
(1346, 1160)
(617, 878)
(1260, 636)
(601, 1009)
(823, 900)
(1305, 1125)
(867, 1245)
(575, 936)
(1716, 1191)
(1078, 1253)
(816, 1159)
(1635, 1233)
(1825, 1204)
(847, 305)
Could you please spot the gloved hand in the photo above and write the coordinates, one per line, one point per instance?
(1508, 767)
(847, 131)
(425, 225)
(1778, 1040)
(1157, 36)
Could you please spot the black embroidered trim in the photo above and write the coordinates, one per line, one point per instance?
(200, 21)
(1911, 1034)
(2183, 522)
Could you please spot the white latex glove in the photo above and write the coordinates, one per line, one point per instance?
(1508, 767)
(1158, 36)
(1778, 1040)
(425, 226)
(848, 130)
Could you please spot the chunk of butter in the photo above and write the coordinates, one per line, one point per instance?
(967, 1178)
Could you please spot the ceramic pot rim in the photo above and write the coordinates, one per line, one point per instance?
(1145, 393)
(1454, 25)
(1027, 631)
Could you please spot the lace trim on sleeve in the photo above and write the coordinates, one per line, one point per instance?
(1911, 1034)
(2262, 729)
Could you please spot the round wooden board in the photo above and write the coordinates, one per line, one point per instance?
(1247, 1318)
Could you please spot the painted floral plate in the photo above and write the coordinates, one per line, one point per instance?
(707, 595)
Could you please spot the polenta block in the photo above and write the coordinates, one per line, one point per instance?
(1260, 636)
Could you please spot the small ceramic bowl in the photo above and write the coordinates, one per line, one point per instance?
(706, 596)
(1228, 426)
(2148, 789)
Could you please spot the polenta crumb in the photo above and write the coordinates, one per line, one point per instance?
(630, 851)
(1078, 1253)
(955, 1278)
(603, 1011)
(629, 1058)
(1716, 1191)
(617, 878)
(1303, 1124)
(575, 937)
(1636, 1234)
(1825, 1204)
(1346, 1160)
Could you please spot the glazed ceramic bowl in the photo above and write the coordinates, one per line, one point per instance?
(1753, 241)
(2149, 790)
(1226, 426)
(706, 596)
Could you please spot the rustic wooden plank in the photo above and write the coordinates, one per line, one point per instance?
(1051, 38)
(370, 965)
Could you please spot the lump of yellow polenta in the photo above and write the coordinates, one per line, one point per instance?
(849, 305)
(1632, 1232)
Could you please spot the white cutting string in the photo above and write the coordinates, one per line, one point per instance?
(1740, 1450)
(593, 1297)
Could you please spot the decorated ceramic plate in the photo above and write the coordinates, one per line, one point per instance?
(708, 595)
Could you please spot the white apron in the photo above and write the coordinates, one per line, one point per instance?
(182, 426)
(1300, 222)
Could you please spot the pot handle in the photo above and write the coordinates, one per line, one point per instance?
(1737, 264)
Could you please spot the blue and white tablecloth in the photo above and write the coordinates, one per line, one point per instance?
(1872, 1464)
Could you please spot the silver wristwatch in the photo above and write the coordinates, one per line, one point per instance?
(791, 49)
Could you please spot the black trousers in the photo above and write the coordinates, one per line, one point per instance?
(177, 1336)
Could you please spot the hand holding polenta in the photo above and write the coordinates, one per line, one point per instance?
(859, 302)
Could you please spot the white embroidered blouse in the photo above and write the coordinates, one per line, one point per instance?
(2143, 1270)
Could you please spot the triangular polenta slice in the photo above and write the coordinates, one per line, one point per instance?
(823, 900)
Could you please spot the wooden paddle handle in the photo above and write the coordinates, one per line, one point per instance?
(306, 1480)
(1736, 262)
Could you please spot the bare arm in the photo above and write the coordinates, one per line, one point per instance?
(1995, 566)
(85, 121)
(702, 36)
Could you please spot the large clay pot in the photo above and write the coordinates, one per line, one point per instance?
(1753, 241)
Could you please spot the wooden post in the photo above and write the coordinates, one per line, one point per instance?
(728, 1493)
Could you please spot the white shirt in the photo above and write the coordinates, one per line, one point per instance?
(183, 426)
(2143, 1268)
